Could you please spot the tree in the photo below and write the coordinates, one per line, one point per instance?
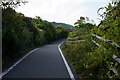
(82, 19)
(61, 31)
(79, 22)
(82, 23)
(12, 3)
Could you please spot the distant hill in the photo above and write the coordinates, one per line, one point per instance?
(67, 26)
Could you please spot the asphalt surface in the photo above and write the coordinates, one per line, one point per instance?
(45, 62)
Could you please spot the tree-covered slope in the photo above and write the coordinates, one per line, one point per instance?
(67, 26)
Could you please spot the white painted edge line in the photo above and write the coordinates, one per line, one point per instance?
(11, 67)
(66, 64)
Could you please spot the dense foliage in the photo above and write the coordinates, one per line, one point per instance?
(109, 29)
(78, 52)
(99, 61)
(61, 32)
(20, 33)
(47, 27)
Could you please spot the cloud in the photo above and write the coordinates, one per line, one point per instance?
(67, 11)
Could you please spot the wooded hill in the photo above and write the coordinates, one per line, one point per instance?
(67, 26)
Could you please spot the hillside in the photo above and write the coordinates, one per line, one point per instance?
(67, 26)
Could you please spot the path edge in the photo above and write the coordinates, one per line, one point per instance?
(66, 63)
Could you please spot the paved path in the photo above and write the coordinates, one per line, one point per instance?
(45, 62)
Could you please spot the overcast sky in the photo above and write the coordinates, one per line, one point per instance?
(65, 11)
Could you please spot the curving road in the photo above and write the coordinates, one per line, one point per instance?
(45, 62)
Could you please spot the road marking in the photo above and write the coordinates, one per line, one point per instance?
(10, 68)
(66, 64)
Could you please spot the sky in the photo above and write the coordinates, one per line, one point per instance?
(65, 11)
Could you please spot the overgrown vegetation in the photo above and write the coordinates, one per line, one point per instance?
(91, 61)
(79, 52)
(21, 33)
